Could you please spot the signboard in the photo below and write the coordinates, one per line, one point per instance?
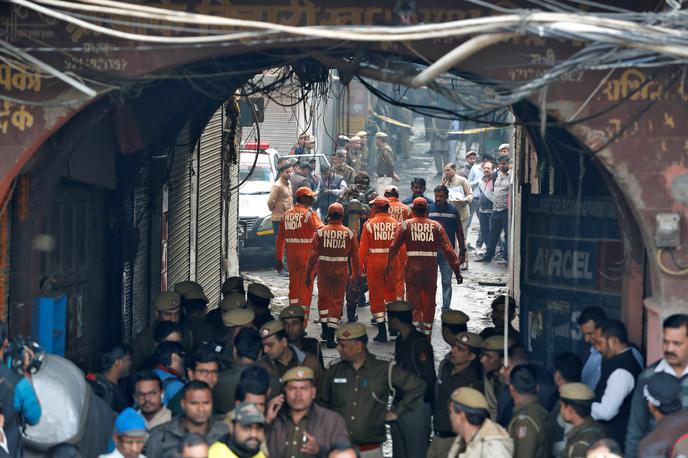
(574, 258)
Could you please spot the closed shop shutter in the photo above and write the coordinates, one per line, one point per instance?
(209, 217)
(280, 128)
(179, 210)
(141, 278)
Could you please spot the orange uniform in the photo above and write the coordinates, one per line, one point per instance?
(399, 211)
(332, 248)
(296, 229)
(376, 238)
(423, 238)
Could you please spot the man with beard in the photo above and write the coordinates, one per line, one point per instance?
(248, 425)
(460, 369)
(148, 397)
(280, 356)
(197, 405)
(293, 321)
(301, 427)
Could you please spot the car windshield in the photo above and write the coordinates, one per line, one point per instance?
(262, 172)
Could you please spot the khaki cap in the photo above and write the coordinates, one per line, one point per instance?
(469, 397)
(238, 317)
(233, 285)
(454, 317)
(350, 331)
(293, 311)
(233, 301)
(297, 374)
(496, 343)
(195, 295)
(270, 328)
(576, 392)
(469, 339)
(503, 146)
(361, 133)
(399, 306)
(184, 287)
(167, 300)
(260, 290)
(381, 135)
(355, 138)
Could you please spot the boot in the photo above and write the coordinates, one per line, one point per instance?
(381, 333)
(329, 338)
(393, 333)
(323, 332)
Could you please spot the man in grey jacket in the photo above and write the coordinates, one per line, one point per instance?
(675, 362)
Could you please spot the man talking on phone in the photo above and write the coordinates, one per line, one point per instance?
(302, 428)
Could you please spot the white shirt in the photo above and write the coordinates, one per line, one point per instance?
(664, 366)
(3, 444)
(117, 454)
(619, 385)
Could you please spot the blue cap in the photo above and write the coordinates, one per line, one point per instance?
(130, 423)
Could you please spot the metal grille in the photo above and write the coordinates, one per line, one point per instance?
(141, 283)
(209, 220)
(179, 210)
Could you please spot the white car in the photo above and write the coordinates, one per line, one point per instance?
(255, 223)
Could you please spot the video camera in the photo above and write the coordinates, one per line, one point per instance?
(19, 349)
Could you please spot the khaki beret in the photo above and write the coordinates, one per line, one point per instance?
(187, 286)
(238, 317)
(576, 392)
(293, 311)
(260, 290)
(469, 339)
(469, 397)
(233, 301)
(270, 328)
(233, 285)
(454, 317)
(381, 135)
(167, 300)
(297, 374)
(350, 331)
(195, 295)
(399, 306)
(496, 343)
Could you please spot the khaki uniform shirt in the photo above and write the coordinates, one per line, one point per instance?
(581, 437)
(361, 396)
(492, 386)
(299, 358)
(528, 429)
(345, 172)
(491, 441)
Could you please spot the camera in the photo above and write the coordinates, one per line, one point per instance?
(17, 350)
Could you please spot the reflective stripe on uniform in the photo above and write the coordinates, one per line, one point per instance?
(421, 253)
(333, 258)
(293, 301)
(441, 215)
(379, 250)
(291, 240)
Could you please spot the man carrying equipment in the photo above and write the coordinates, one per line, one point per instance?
(296, 229)
(332, 248)
(423, 238)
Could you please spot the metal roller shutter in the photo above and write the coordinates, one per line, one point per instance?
(209, 217)
(179, 211)
(141, 277)
(281, 127)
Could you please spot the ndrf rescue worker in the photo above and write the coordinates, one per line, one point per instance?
(376, 238)
(400, 212)
(423, 238)
(296, 229)
(332, 248)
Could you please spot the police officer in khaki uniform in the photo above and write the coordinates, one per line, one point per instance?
(575, 407)
(459, 369)
(412, 353)
(292, 318)
(168, 307)
(528, 427)
(492, 359)
(233, 285)
(280, 355)
(258, 299)
(476, 435)
(358, 388)
(453, 322)
(194, 304)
